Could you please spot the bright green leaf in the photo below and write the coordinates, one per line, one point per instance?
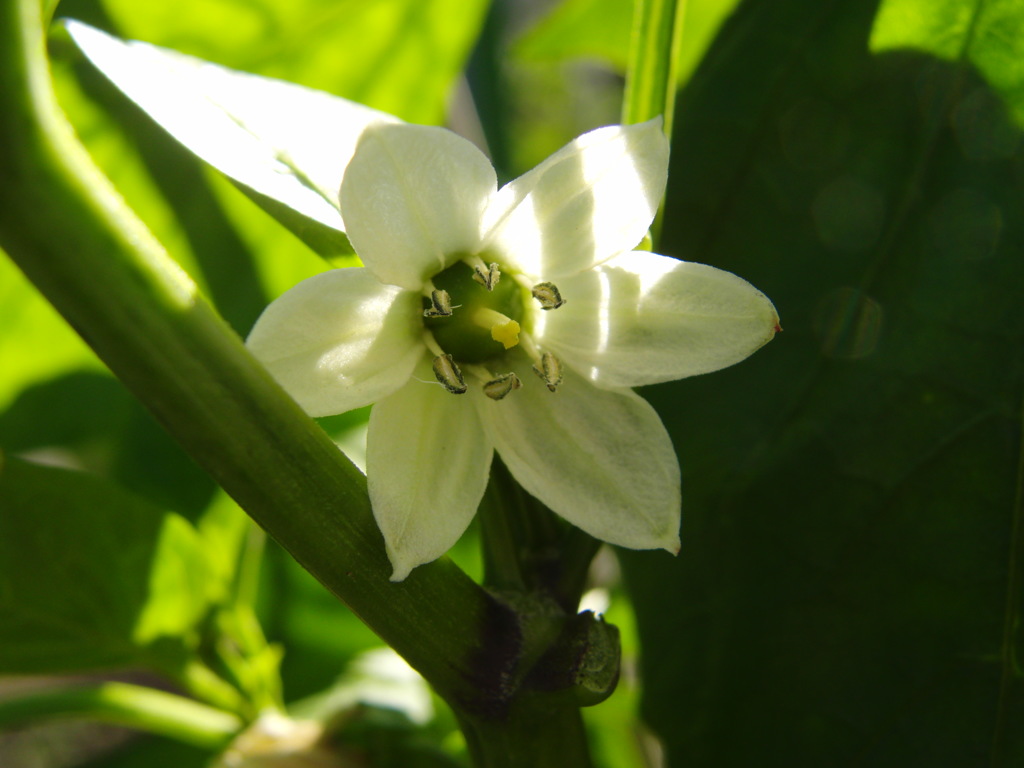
(177, 583)
(283, 141)
(34, 336)
(989, 34)
(597, 29)
(91, 576)
(399, 56)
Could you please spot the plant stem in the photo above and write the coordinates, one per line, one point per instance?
(535, 737)
(528, 548)
(72, 234)
(654, 52)
(651, 76)
(203, 683)
(135, 706)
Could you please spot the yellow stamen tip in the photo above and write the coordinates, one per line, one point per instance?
(507, 333)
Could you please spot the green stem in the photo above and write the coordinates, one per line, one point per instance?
(203, 683)
(72, 234)
(535, 737)
(250, 562)
(528, 548)
(501, 510)
(651, 75)
(654, 53)
(134, 706)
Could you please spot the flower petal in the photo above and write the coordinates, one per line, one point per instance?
(427, 462)
(592, 199)
(642, 318)
(413, 197)
(600, 459)
(276, 138)
(339, 340)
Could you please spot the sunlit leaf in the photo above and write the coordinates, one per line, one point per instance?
(34, 335)
(399, 56)
(91, 576)
(285, 142)
(988, 34)
(599, 29)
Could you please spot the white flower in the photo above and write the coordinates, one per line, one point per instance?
(570, 301)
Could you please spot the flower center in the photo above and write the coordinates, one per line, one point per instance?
(480, 324)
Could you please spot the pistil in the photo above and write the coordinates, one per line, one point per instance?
(503, 329)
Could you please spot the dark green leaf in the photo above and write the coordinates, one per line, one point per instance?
(91, 576)
(88, 420)
(851, 492)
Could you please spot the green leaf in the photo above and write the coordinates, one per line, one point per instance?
(988, 34)
(284, 142)
(850, 583)
(402, 57)
(581, 28)
(91, 576)
(34, 336)
(602, 29)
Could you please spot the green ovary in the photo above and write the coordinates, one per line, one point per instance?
(465, 335)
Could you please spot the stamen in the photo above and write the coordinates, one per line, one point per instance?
(441, 304)
(548, 296)
(487, 276)
(503, 329)
(431, 343)
(549, 370)
(449, 375)
(496, 389)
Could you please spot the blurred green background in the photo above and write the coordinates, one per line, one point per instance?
(849, 589)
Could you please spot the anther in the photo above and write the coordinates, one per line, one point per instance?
(548, 296)
(496, 389)
(549, 370)
(487, 278)
(441, 304)
(449, 375)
